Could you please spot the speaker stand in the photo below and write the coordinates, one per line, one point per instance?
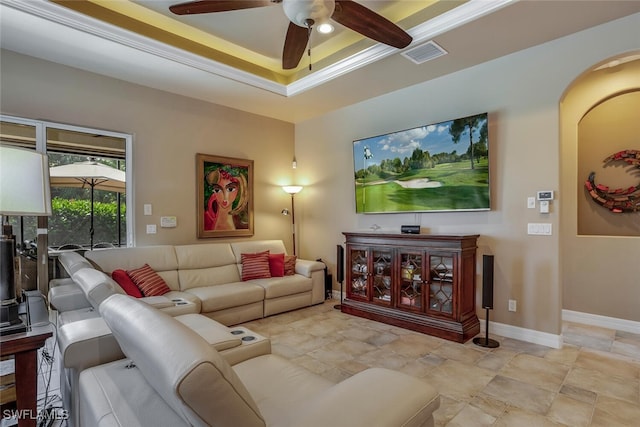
(339, 306)
(486, 341)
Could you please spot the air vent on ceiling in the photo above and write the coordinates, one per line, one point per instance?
(425, 52)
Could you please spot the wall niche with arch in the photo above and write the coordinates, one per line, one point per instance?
(611, 126)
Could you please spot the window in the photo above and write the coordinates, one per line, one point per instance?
(86, 212)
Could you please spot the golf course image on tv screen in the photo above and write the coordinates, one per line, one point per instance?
(438, 167)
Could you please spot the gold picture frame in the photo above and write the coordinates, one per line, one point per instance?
(225, 196)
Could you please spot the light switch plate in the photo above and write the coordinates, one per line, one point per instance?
(531, 202)
(168, 221)
(539, 229)
(151, 229)
(147, 209)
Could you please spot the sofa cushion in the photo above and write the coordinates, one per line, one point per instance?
(254, 246)
(276, 265)
(219, 297)
(162, 259)
(275, 287)
(96, 285)
(255, 266)
(123, 279)
(191, 377)
(204, 256)
(271, 380)
(205, 265)
(290, 265)
(148, 281)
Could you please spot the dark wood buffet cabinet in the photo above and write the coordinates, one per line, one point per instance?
(421, 282)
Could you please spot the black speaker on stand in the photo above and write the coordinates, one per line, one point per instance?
(339, 272)
(487, 301)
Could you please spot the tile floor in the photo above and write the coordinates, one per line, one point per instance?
(594, 380)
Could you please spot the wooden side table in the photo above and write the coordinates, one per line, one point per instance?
(24, 347)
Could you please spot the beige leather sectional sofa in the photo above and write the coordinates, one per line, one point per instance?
(173, 377)
(205, 281)
(210, 276)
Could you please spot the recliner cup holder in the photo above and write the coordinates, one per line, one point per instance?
(248, 338)
(237, 332)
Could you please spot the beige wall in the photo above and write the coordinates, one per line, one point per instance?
(168, 131)
(521, 92)
(600, 274)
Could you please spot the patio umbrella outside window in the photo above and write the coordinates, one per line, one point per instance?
(92, 175)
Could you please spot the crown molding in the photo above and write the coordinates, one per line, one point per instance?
(467, 12)
(454, 18)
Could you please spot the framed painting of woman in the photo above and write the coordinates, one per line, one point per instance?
(225, 196)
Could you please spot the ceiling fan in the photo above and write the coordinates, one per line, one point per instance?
(304, 14)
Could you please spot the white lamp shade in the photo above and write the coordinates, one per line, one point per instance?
(24, 182)
(292, 189)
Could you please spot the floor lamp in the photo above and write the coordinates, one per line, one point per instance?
(24, 190)
(293, 190)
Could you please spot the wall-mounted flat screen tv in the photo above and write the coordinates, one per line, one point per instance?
(438, 167)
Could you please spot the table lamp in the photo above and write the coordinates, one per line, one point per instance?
(24, 190)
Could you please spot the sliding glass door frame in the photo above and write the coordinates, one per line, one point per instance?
(41, 128)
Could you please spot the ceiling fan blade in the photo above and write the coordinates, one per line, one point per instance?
(370, 24)
(210, 6)
(295, 44)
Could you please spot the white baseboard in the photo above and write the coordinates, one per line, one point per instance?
(508, 331)
(601, 321)
(522, 334)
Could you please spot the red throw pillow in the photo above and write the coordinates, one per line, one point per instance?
(255, 266)
(148, 281)
(276, 265)
(122, 278)
(290, 265)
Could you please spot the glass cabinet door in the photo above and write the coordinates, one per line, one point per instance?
(359, 273)
(381, 274)
(410, 282)
(441, 284)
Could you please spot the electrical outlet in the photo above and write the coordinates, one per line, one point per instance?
(512, 305)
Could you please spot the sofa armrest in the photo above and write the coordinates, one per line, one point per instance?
(306, 267)
(87, 343)
(158, 301)
(374, 397)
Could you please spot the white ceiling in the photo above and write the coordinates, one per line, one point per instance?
(475, 32)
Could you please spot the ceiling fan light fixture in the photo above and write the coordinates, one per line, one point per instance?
(301, 11)
(325, 28)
